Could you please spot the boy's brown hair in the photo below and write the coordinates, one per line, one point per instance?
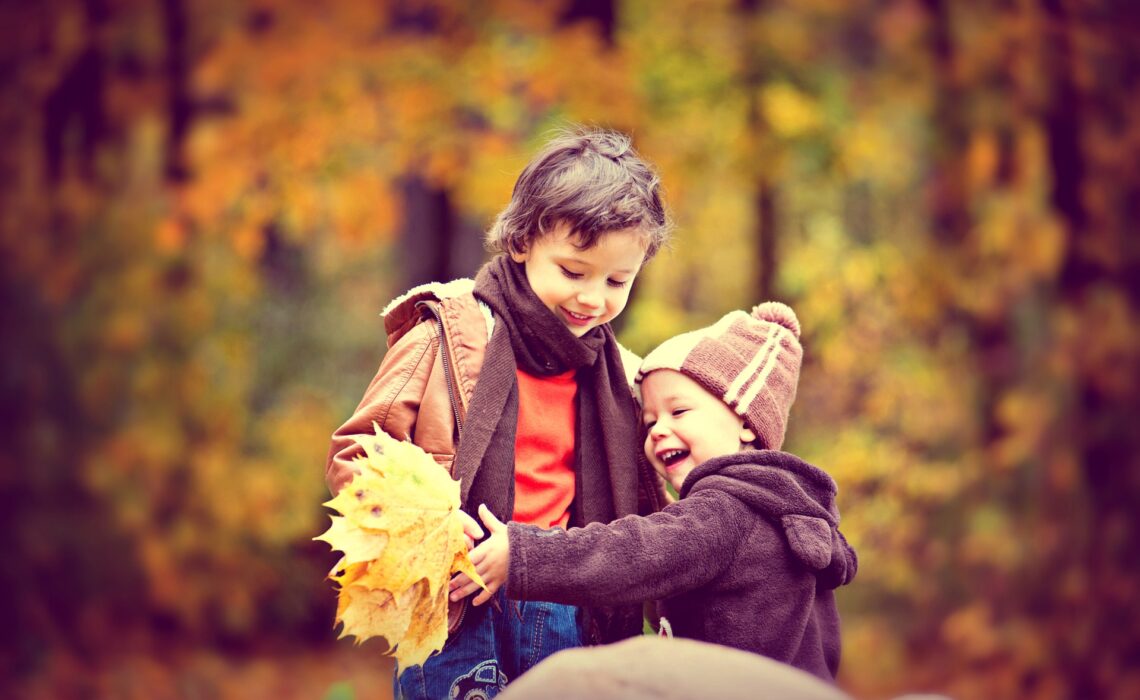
(591, 179)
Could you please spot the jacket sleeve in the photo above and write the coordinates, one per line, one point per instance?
(392, 401)
(633, 559)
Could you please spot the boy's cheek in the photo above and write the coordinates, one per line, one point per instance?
(624, 302)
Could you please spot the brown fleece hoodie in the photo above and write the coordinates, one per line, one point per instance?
(749, 558)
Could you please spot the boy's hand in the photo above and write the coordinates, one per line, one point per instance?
(471, 529)
(492, 559)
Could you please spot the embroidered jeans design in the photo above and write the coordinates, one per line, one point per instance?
(482, 682)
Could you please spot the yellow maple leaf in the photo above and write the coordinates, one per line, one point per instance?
(402, 538)
(357, 543)
(427, 628)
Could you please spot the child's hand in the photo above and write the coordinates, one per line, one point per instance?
(471, 529)
(492, 559)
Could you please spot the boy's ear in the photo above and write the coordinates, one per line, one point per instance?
(747, 436)
(519, 256)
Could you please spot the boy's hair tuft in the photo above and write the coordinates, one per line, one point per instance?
(591, 179)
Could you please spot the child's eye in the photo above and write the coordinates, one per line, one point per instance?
(616, 284)
(649, 423)
(569, 274)
(679, 411)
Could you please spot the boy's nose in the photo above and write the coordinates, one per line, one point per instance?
(590, 298)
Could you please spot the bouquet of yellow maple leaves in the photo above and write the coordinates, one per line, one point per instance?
(401, 533)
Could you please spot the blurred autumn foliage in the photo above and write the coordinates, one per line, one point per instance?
(205, 203)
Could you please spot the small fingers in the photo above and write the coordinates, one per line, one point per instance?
(471, 527)
(461, 592)
(493, 524)
(458, 581)
(483, 597)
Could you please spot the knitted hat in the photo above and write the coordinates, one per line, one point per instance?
(751, 362)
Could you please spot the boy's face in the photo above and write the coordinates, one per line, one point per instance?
(584, 288)
(687, 425)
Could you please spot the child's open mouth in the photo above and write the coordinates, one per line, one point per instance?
(671, 457)
(575, 319)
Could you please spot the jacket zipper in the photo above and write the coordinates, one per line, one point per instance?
(446, 369)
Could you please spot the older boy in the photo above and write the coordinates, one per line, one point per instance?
(750, 555)
(516, 385)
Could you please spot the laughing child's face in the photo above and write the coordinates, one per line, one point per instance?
(686, 425)
(584, 288)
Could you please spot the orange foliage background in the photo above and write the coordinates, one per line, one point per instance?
(205, 204)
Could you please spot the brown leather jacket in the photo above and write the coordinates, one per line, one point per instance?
(420, 393)
(437, 336)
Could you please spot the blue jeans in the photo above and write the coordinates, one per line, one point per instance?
(489, 649)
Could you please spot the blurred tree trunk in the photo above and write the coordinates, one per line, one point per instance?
(764, 209)
(602, 12)
(178, 103)
(763, 190)
(74, 107)
(428, 233)
(64, 573)
(1103, 422)
(949, 204)
(436, 243)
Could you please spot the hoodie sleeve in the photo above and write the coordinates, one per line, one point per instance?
(630, 560)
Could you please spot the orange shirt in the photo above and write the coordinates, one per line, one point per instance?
(544, 449)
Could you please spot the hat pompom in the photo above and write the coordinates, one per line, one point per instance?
(775, 312)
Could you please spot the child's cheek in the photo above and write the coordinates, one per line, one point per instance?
(622, 301)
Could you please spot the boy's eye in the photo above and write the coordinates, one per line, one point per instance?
(617, 284)
(649, 423)
(569, 274)
(679, 411)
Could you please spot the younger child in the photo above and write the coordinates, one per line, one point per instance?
(516, 385)
(750, 555)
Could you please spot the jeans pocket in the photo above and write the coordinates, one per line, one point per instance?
(538, 635)
(410, 684)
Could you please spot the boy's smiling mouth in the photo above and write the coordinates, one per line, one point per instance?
(671, 457)
(576, 319)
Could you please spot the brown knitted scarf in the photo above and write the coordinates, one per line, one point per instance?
(606, 443)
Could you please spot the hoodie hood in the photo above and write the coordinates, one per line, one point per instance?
(791, 493)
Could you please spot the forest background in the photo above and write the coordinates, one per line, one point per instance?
(205, 204)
